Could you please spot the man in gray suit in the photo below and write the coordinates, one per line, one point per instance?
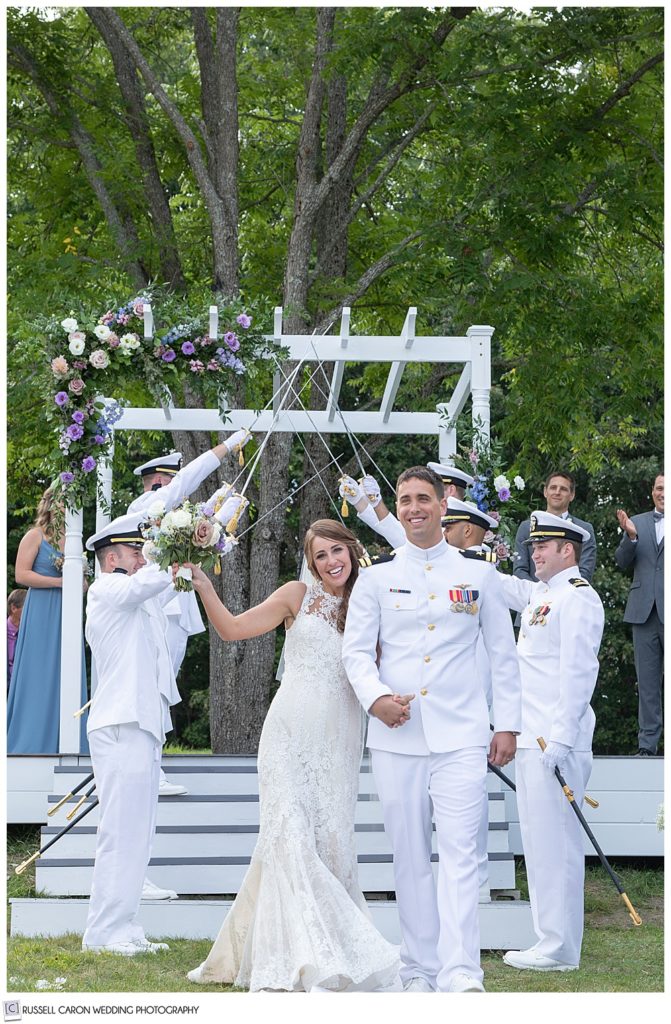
(559, 492)
(642, 546)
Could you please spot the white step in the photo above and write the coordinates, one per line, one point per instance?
(223, 875)
(503, 924)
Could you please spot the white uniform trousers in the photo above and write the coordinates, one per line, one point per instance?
(483, 840)
(125, 761)
(552, 841)
(439, 926)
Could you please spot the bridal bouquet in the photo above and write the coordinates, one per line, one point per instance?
(188, 533)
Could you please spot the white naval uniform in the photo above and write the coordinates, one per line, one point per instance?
(389, 527)
(128, 720)
(437, 760)
(184, 618)
(558, 650)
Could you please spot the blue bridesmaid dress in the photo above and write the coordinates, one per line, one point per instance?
(34, 699)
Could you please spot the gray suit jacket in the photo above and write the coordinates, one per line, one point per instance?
(647, 558)
(523, 567)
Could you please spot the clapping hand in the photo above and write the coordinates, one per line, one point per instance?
(626, 523)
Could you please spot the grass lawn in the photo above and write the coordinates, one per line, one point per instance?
(616, 956)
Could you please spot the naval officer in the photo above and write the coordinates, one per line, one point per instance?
(558, 646)
(164, 479)
(424, 610)
(129, 717)
(372, 511)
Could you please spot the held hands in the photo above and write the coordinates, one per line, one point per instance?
(555, 755)
(626, 523)
(372, 490)
(352, 492)
(503, 748)
(393, 709)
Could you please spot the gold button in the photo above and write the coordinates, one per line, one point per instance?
(423, 692)
(432, 597)
(427, 657)
(431, 626)
(428, 568)
(397, 606)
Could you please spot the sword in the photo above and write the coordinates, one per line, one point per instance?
(568, 792)
(504, 778)
(22, 867)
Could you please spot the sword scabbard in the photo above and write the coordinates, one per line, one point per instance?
(22, 867)
(632, 913)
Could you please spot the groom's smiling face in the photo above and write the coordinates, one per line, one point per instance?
(419, 511)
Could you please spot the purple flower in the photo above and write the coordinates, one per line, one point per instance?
(74, 431)
(188, 348)
(504, 494)
(169, 355)
(62, 398)
(88, 463)
(231, 340)
(244, 320)
(99, 439)
(67, 478)
(78, 417)
(80, 364)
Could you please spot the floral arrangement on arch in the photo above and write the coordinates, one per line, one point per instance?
(92, 355)
(494, 492)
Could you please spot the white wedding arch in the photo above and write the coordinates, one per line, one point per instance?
(472, 351)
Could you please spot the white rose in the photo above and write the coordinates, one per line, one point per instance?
(101, 332)
(500, 482)
(129, 341)
(217, 532)
(150, 552)
(99, 359)
(156, 510)
(69, 324)
(77, 345)
(180, 518)
(167, 522)
(519, 483)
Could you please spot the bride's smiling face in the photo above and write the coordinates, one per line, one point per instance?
(331, 559)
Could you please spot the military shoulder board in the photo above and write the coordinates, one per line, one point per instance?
(480, 556)
(367, 560)
(576, 581)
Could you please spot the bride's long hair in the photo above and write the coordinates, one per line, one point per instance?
(329, 529)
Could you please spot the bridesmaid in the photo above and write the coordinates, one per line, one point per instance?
(33, 702)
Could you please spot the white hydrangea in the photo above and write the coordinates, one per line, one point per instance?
(500, 482)
(150, 552)
(69, 324)
(180, 518)
(102, 332)
(156, 510)
(519, 483)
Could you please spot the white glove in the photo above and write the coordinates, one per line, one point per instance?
(237, 441)
(229, 510)
(220, 495)
(350, 490)
(371, 490)
(554, 755)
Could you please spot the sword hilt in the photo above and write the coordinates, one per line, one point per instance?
(56, 807)
(76, 807)
(22, 867)
(632, 912)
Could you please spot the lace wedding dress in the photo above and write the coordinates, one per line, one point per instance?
(300, 920)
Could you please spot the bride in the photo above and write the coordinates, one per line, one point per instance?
(300, 922)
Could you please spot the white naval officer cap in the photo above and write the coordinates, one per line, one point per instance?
(168, 464)
(465, 512)
(450, 475)
(546, 526)
(122, 530)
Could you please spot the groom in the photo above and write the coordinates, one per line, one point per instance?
(424, 610)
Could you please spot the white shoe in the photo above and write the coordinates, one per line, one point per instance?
(152, 892)
(530, 960)
(417, 984)
(166, 788)
(465, 983)
(127, 948)
(484, 895)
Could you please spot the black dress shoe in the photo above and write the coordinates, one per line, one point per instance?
(642, 752)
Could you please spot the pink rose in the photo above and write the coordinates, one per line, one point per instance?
(203, 534)
(502, 551)
(59, 366)
(495, 515)
(99, 359)
(113, 340)
(76, 386)
(138, 309)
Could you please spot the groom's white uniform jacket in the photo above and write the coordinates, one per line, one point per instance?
(426, 609)
(126, 631)
(183, 609)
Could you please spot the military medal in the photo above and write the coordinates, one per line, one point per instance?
(464, 600)
(539, 615)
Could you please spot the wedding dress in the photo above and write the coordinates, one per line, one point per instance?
(300, 921)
